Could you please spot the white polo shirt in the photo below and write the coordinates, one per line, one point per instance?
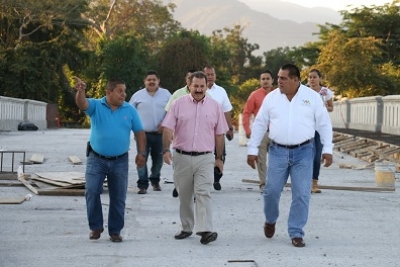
(292, 122)
(219, 94)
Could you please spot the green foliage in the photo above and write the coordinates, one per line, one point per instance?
(232, 56)
(181, 52)
(43, 44)
(123, 57)
(239, 99)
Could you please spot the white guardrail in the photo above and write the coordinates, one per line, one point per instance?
(374, 113)
(15, 110)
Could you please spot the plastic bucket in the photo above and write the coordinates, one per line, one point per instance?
(384, 174)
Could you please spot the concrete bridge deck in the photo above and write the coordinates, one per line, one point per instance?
(345, 228)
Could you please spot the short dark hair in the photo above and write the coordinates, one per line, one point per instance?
(112, 83)
(151, 72)
(191, 71)
(267, 71)
(293, 70)
(198, 74)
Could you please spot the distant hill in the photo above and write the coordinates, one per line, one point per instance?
(275, 24)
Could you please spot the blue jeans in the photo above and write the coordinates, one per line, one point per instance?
(297, 163)
(154, 148)
(117, 179)
(317, 156)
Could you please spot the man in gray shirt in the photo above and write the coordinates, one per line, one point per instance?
(150, 103)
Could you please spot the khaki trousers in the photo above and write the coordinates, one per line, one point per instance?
(262, 159)
(193, 177)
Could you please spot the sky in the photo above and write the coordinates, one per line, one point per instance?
(337, 4)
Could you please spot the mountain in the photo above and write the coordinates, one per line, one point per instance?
(272, 25)
(286, 10)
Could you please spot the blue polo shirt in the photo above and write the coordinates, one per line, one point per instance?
(111, 130)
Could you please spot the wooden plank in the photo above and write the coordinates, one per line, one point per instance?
(52, 182)
(75, 160)
(382, 155)
(250, 181)
(354, 188)
(12, 200)
(37, 158)
(343, 143)
(356, 145)
(28, 185)
(61, 192)
(66, 177)
(333, 187)
(9, 183)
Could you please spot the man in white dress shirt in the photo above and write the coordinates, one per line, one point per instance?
(219, 94)
(293, 114)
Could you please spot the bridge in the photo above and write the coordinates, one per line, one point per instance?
(375, 114)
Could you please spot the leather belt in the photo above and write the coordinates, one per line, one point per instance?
(292, 146)
(106, 157)
(152, 132)
(192, 153)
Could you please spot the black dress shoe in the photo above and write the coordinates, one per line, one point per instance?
(95, 234)
(207, 237)
(175, 193)
(183, 235)
(217, 186)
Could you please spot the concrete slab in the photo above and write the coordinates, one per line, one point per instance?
(345, 228)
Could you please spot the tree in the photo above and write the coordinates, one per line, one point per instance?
(181, 52)
(348, 65)
(233, 57)
(380, 22)
(149, 20)
(37, 40)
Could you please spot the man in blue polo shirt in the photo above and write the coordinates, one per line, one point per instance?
(112, 120)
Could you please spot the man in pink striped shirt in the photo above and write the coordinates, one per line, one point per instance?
(197, 125)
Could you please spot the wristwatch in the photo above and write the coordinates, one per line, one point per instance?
(166, 150)
(142, 153)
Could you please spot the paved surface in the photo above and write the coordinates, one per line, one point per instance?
(345, 228)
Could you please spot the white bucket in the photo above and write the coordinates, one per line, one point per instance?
(384, 174)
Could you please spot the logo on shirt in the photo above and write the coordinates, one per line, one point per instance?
(306, 102)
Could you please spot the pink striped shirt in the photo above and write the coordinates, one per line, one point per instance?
(195, 124)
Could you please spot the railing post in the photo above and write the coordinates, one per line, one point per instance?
(379, 114)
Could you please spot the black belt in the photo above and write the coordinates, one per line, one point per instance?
(293, 146)
(106, 157)
(152, 132)
(193, 153)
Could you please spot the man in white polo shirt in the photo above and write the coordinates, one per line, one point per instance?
(219, 94)
(292, 114)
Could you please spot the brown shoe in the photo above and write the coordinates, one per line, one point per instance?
(314, 186)
(207, 237)
(116, 238)
(156, 187)
(142, 191)
(269, 229)
(95, 234)
(298, 242)
(182, 235)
